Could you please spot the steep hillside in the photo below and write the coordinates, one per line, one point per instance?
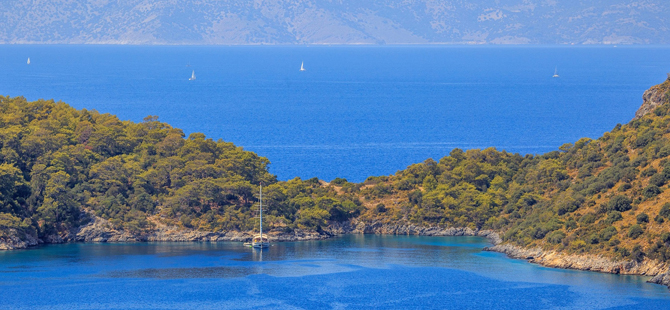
(334, 22)
(606, 197)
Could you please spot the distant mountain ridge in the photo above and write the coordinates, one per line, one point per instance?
(335, 22)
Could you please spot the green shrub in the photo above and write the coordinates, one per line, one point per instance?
(651, 191)
(658, 179)
(577, 244)
(665, 210)
(9, 221)
(623, 252)
(642, 218)
(648, 172)
(619, 203)
(607, 233)
(635, 231)
(570, 224)
(624, 187)
(338, 181)
(637, 254)
(665, 237)
(640, 161)
(644, 138)
(588, 218)
(613, 216)
(665, 151)
(593, 239)
(556, 237)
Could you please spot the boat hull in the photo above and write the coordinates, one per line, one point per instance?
(260, 245)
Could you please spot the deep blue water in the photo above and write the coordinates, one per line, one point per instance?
(349, 272)
(356, 111)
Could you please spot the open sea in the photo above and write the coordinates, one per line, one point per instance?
(356, 111)
(349, 272)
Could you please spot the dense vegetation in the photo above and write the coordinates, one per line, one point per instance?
(607, 196)
(57, 162)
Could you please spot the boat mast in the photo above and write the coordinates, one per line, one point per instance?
(261, 208)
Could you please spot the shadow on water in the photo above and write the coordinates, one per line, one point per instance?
(182, 273)
(359, 270)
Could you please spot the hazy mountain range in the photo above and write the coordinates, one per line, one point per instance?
(335, 21)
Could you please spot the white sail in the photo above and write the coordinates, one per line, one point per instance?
(302, 66)
(556, 72)
(192, 76)
(28, 60)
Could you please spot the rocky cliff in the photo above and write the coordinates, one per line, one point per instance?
(13, 239)
(586, 262)
(581, 261)
(378, 228)
(653, 98)
(662, 279)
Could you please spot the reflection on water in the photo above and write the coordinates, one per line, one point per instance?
(407, 270)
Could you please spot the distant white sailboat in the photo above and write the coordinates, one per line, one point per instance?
(28, 60)
(556, 72)
(302, 66)
(192, 76)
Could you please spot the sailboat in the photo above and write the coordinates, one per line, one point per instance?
(192, 76)
(28, 60)
(556, 72)
(302, 66)
(260, 241)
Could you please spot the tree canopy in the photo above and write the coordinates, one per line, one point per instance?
(608, 196)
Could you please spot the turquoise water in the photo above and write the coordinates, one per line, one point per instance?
(349, 272)
(356, 111)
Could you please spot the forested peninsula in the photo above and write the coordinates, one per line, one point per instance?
(70, 175)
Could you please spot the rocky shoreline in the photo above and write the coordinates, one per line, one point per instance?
(660, 272)
(101, 230)
(11, 240)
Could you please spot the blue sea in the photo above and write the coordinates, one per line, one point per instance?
(349, 272)
(355, 111)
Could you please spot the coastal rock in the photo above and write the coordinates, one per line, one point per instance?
(662, 279)
(581, 261)
(55, 239)
(410, 229)
(100, 230)
(14, 239)
(652, 98)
